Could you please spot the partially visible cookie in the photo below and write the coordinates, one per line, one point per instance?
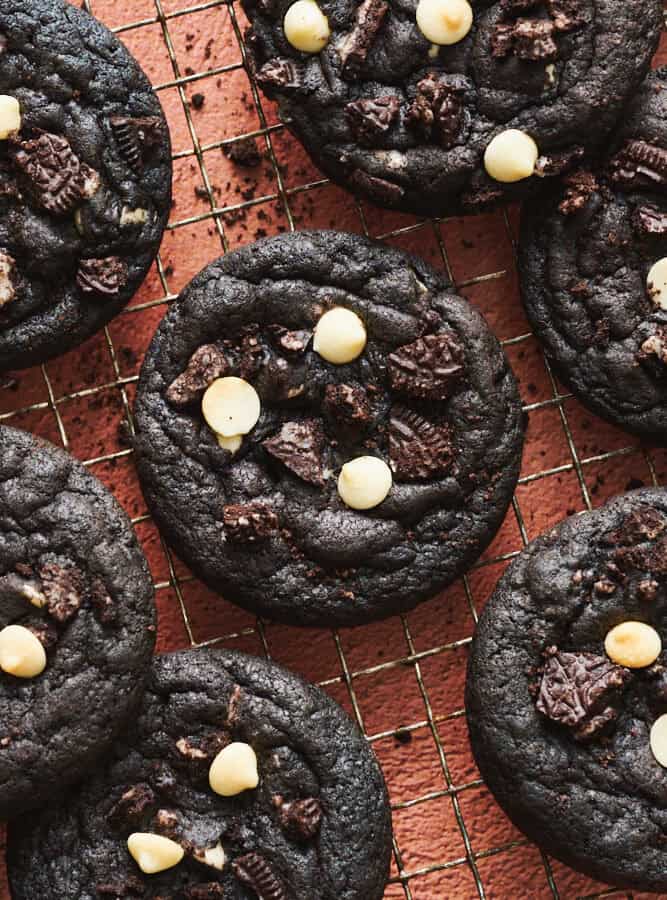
(237, 781)
(566, 695)
(85, 178)
(593, 264)
(441, 106)
(326, 433)
(77, 621)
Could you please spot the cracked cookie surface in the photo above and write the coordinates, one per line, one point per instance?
(406, 124)
(431, 394)
(585, 257)
(561, 733)
(85, 184)
(73, 575)
(316, 825)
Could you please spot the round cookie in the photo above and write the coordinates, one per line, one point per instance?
(77, 621)
(566, 680)
(590, 265)
(407, 123)
(292, 520)
(85, 178)
(308, 815)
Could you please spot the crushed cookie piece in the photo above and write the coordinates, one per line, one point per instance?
(437, 110)
(639, 164)
(280, 73)
(417, 447)
(130, 809)
(136, 137)
(386, 191)
(104, 277)
(301, 819)
(64, 588)
(249, 523)
(299, 446)
(205, 365)
(371, 117)
(355, 46)
(429, 368)
(255, 871)
(579, 187)
(59, 180)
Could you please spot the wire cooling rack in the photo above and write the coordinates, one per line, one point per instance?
(402, 680)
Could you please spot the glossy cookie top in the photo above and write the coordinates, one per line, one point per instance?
(77, 621)
(567, 691)
(85, 178)
(593, 261)
(407, 122)
(355, 488)
(255, 783)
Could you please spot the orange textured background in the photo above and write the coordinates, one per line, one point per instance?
(403, 679)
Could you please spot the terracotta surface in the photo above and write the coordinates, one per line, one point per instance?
(403, 678)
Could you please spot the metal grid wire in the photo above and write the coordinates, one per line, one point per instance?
(414, 658)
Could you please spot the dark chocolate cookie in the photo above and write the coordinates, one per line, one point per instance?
(305, 813)
(407, 123)
(566, 682)
(77, 621)
(85, 178)
(590, 283)
(268, 519)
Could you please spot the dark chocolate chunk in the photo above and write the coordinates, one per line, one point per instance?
(104, 277)
(429, 368)
(418, 448)
(299, 446)
(255, 871)
(280, 73)
(58, 178)
(354, 48)
(250, 522)
(648, 220)
(204, 366)
(347, 404)
(386, 191)
(371, 117)
(639, 164)
(557, 163)
(529, 39)
(64, 588)
(136, 137)
(301, 819)
(437, 110)
(132, 807)
(579, 187)
(573, 684)
(290, 341)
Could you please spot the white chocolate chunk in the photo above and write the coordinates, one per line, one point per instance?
(306, 27)
(550, 72)
(10, 116)
(7, 289)
(340, 336)
(231, 406)
(133, 216)
(633, 644)
(21, 653)
(658, 739)
(233, 443)
(364, 482)
(153, 852)
(234, 770)
(656, 283)
(444, 22)
(211, 856)
(511, 156)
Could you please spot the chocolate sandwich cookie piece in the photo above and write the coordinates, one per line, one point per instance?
(441, 106)
(85, 178)
(238, 780)
(77, 621)
(593, 264)
(326, 434)
(566, 694)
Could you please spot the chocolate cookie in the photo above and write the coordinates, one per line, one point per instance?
(85, 178)
(593, 262)
(434, 106)
(567, 691)
(326, 434)
(77, 621)
(238, 780)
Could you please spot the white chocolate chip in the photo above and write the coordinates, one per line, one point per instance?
(550, 72)
(511, 156)
(234, 770)
(211, 856)
(153, 852)
(133, 216)
(7, 289)
(21, 653)
(433, 51)
(656, 283)
(306, 27)
(444, 22)
(10, 116)
(340, 336)
(658, 739)
(233, 443)
(364, 482)
(231, 406)
(633, 644)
